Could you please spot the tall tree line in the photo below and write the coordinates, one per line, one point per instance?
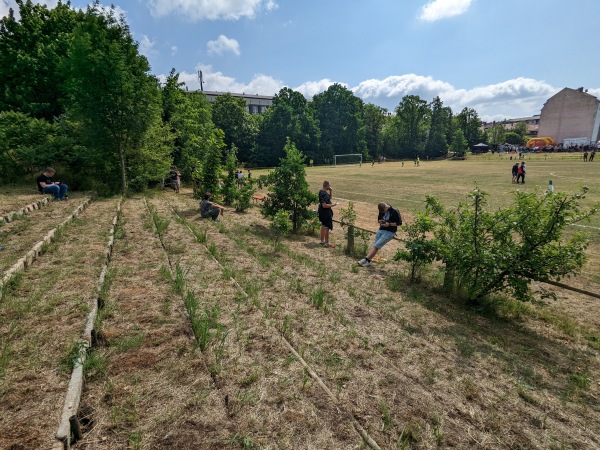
(76, 93)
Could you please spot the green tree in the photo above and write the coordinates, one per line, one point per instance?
(229, 185)
(289, 117)
(32, 52)
(288, 189)
(437, 144)
(496, 135)
(459, 143)
(420, 249)
(340, 116)
(110, 93)
(515, 138)
(189, 116)
(231, 115)
(412, 122)
(503, 250)
(26, 145)
(470, 124)
(374, 118)
(211, 163)
(154, 156)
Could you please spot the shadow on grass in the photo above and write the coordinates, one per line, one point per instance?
(502, 329)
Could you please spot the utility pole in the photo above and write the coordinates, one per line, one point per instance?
(201, 81)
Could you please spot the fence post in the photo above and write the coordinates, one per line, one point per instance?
(350, 246)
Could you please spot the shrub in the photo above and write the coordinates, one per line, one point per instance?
(420, 251)
(503, 251)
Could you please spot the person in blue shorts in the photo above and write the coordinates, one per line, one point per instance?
(389, 220)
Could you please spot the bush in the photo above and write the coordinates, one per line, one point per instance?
(501, 251)
(420, 251)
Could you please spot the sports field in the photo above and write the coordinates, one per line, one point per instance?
(213, 336)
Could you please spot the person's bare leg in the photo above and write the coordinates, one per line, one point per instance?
(324, 234)
(372, 253)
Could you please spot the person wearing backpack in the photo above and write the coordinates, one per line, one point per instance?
(521, 173)
(515, 172)
(389, 220)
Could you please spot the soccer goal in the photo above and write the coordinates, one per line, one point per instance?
(351, 158)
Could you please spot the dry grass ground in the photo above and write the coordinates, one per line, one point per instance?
(41, 317)
(415, 369)
(20, 235)
(13, 198)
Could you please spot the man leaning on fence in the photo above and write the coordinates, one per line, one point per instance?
(389, 220)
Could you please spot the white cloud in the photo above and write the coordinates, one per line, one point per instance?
(441, 9)
(222, 45)
(217, 81)
(312, 88)
(594, 91)
(210, 9)
(146, 47)
(5, 5)
(511, 98)
(174, 50)
(519, 97)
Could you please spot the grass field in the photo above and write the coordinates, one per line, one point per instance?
(213, 336)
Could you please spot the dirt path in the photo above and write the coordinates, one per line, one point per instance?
(40, 319)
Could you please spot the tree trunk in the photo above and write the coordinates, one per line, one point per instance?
(350, 246)
(123, 174)
(449, 287)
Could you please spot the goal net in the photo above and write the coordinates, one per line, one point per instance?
(351, 158)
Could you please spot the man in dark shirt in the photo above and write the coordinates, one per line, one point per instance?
(389, 220)
(47, 185)
(210, 209)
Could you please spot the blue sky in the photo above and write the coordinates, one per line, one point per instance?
(504, 58)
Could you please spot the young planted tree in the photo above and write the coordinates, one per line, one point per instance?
(288, 189)
(420, 249)
(229, 188)
(211, 163)
(487, 252)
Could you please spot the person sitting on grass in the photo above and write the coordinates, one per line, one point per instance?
(46, 185)
(210, 209)
(389, 221)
